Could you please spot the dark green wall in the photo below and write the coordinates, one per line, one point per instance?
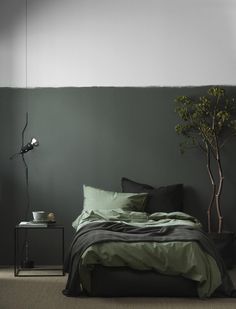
(95, 136)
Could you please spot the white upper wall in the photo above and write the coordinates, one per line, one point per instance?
(118, 43)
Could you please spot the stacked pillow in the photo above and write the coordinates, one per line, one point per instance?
(162, 199)
(135, 197)
(97, 199)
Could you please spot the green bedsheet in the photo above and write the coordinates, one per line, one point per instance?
(172, 258)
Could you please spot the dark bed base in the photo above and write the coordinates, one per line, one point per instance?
(124, 282)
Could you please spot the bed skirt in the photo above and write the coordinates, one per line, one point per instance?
(125, 282)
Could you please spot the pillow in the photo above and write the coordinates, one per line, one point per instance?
(162, 199)
(96, 199)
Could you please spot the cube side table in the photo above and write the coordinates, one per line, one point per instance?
(17, 267)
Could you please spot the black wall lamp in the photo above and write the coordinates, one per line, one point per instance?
(26, 262)
(25, 148)
(33, 143)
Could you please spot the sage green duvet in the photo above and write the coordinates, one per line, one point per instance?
(182, 258)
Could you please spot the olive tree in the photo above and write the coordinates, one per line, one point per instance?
(208, 122)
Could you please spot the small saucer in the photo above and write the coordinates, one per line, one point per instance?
(42, 221)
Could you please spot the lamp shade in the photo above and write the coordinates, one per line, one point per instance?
(34, 142)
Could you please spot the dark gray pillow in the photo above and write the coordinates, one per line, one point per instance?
(162, 199)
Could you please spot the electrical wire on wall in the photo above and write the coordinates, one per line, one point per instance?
(26, 262)
(28, 208)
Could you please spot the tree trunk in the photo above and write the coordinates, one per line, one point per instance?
(218, 193)
(213, 196)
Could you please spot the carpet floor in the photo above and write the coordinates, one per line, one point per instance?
(45, 293)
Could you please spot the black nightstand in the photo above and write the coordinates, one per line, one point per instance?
(32, 272)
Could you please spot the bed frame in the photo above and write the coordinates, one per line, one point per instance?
(125, 282)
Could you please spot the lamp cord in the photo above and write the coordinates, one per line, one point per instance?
(26, 242)
(26, 170)
(23, 131)
(26, 43)
(27, 188)
(25, 246)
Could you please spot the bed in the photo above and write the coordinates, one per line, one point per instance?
(119, 249)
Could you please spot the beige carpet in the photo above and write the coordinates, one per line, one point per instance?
(45, 293)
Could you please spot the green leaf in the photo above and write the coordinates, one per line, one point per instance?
(204, 118)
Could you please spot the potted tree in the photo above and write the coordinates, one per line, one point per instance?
(209, 122)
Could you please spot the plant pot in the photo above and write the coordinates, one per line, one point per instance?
(224, 243)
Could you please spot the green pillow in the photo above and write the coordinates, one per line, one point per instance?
(96, 199)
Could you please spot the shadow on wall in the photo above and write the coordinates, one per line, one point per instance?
(13, 38)
(198, 41)
(13, 14)
(12, 114)
(194, 204)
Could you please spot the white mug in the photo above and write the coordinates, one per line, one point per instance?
(39, 215)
